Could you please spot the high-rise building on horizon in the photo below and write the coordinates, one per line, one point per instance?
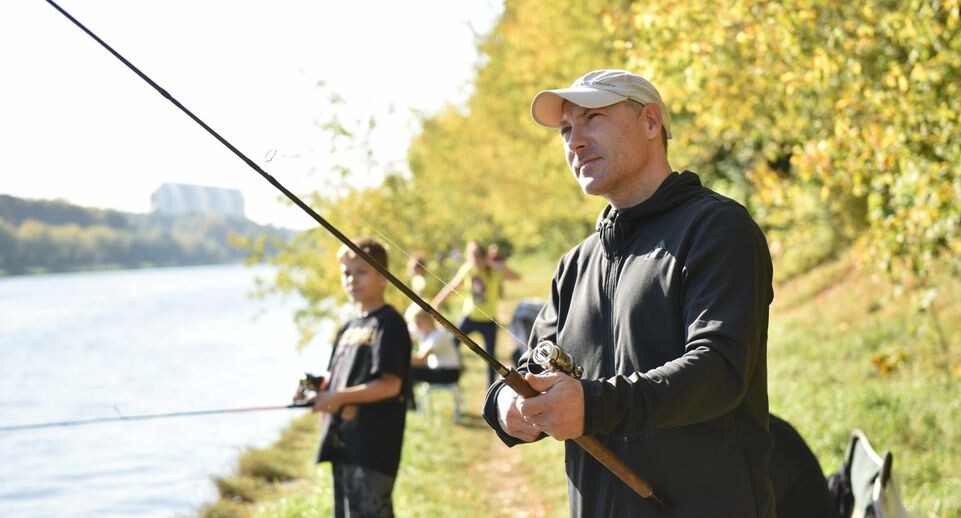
(180, 198)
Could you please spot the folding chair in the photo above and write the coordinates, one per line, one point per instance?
(865, 486)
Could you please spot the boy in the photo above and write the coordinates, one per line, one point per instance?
(364, 395)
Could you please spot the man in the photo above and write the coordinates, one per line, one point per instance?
(666, 309)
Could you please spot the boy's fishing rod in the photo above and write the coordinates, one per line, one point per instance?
(511, 377)
(144, 417)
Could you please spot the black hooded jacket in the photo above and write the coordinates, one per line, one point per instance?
(666, 308)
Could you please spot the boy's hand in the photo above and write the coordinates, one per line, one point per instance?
(309, 385)
(559, 410)
(327, 402)
(300, 396)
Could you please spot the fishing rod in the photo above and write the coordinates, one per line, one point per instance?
(144, 417)
(511, 377)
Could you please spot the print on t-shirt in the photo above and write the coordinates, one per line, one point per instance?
(358, 336)
(478, 289)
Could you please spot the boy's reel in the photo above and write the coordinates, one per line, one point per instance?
(308, 387)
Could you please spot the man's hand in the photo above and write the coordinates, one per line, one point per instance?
(510, 418)
(558, 411)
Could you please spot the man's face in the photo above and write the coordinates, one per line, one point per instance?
(360, 281)
(605, 147)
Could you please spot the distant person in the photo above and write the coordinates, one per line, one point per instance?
(481, 285)
(495, 255)
(454, 255)
(496, 259)
(418, 274)
(522, 322)
(364, 394)
(436, 359)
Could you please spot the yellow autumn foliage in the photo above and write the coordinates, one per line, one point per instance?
(834, 122)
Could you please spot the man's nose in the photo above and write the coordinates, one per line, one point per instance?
(576, 138)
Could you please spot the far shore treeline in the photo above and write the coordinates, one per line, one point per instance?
(41, 236)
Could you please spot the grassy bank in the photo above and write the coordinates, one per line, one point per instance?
(843, 354)
(846, 352)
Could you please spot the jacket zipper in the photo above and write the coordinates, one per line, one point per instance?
(609, 367)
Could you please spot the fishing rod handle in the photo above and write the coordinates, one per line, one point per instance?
(596, 449)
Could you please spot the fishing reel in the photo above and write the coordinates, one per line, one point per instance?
(308, 387)
(551, 357)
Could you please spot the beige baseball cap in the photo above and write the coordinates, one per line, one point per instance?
(595, 90)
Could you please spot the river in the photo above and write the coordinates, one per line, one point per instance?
(103, 344)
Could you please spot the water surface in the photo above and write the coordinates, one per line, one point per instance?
(89, 345)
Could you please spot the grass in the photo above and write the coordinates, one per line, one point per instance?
(843, 354)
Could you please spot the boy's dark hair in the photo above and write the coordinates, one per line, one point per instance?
(369, 245)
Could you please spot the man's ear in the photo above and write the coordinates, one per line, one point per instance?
(654, 120)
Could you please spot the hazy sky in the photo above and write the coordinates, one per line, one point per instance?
(76, 124)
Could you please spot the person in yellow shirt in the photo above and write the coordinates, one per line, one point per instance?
(418, 273)
(480, 281)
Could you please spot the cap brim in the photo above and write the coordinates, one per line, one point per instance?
(546, 108)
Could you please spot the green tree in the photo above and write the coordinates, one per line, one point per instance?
(832, 121)
(829, 118)
(486, 168)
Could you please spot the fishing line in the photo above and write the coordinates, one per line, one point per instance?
(617, 466)
(144, 417)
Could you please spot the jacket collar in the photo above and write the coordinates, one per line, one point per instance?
(615, 225)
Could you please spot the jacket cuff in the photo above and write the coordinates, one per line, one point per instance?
(590, 427)
(490, 414)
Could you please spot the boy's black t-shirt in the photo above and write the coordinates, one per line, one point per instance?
(365, 348)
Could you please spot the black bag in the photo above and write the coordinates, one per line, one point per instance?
(800, 490)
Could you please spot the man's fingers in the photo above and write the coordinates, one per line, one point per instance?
(522, 430)
(541, 382)
(532, 407)
(527, 437)
(511, 420)
(558, 411)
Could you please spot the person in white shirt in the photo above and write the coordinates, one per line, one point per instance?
(437, 359)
